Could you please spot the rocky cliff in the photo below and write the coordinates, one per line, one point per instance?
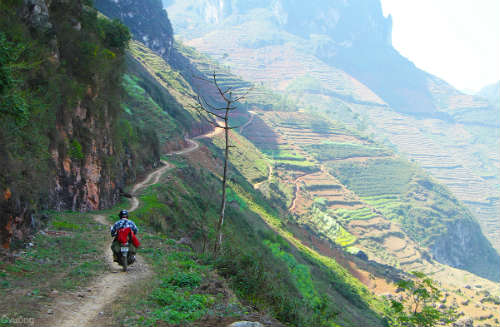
(463, 246)
(147, 21)
(63, 143)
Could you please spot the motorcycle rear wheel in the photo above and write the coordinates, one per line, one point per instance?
(124, 262)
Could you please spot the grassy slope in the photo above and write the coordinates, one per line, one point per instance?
(165, 86)
(396, 180)
(253, 174)
(265, 265)
(344, 290)
(273, 273)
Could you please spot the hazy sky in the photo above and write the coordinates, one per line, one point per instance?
(456, 40)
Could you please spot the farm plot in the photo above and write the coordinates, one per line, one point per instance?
(374, 177)
(328, 151)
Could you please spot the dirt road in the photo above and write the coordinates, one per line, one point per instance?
(85, 309)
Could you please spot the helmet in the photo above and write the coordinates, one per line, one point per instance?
(123, 213)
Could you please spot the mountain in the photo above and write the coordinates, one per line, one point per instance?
(321, 218)
(458, 258)
(346, 66)
(147, 23)
(491, 93)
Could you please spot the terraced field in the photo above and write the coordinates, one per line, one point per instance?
(321, 201)
(456, 153)
(311, 155)
(387, 243)
(458, 165)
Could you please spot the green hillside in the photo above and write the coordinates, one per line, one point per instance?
(321, 219)
(306, 141)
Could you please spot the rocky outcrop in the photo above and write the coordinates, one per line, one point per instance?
(83, 181)
(464, 246)
(246, 324)
(147, 21)
(84, 160)
(36, 13)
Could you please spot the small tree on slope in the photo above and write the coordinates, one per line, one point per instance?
(419, 306)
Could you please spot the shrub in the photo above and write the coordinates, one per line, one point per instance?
(182, 279)
(12, 100)
(75, 150)
(114, 33)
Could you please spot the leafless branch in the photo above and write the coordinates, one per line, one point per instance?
(200, 109)
(244, 95)
(222, 94)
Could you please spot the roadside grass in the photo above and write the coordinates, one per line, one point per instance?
(181, 290)
(64, 256)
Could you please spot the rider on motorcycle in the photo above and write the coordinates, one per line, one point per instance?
(124, 222)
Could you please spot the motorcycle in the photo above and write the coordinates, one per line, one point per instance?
(125, 258)
(127, 241)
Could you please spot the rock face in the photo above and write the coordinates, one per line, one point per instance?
(246, 324)
(84, 162)
(465, 247)
(83, 182)
(147, 21)
(36, 13)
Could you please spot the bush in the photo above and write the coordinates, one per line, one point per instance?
(11, 98)
(114, 33)
(75, 150)
(182, 279)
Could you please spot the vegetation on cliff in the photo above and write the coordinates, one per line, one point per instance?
(61, 102)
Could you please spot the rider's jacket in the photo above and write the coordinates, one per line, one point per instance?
(123, 223)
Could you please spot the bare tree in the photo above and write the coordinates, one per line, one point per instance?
(203, 106)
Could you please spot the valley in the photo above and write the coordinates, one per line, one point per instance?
(455, 152)
(349, 168)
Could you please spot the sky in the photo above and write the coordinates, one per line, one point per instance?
(456, 40)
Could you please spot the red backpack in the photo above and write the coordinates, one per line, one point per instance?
(123, 236)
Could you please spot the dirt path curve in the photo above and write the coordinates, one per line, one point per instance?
(252, 116)
(86, 308)
(296, 193)
(151, 179)
(294, 202)
(268, 179)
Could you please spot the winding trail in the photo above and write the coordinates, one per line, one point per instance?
(252, 116)
(87, 308)
(268, 179)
